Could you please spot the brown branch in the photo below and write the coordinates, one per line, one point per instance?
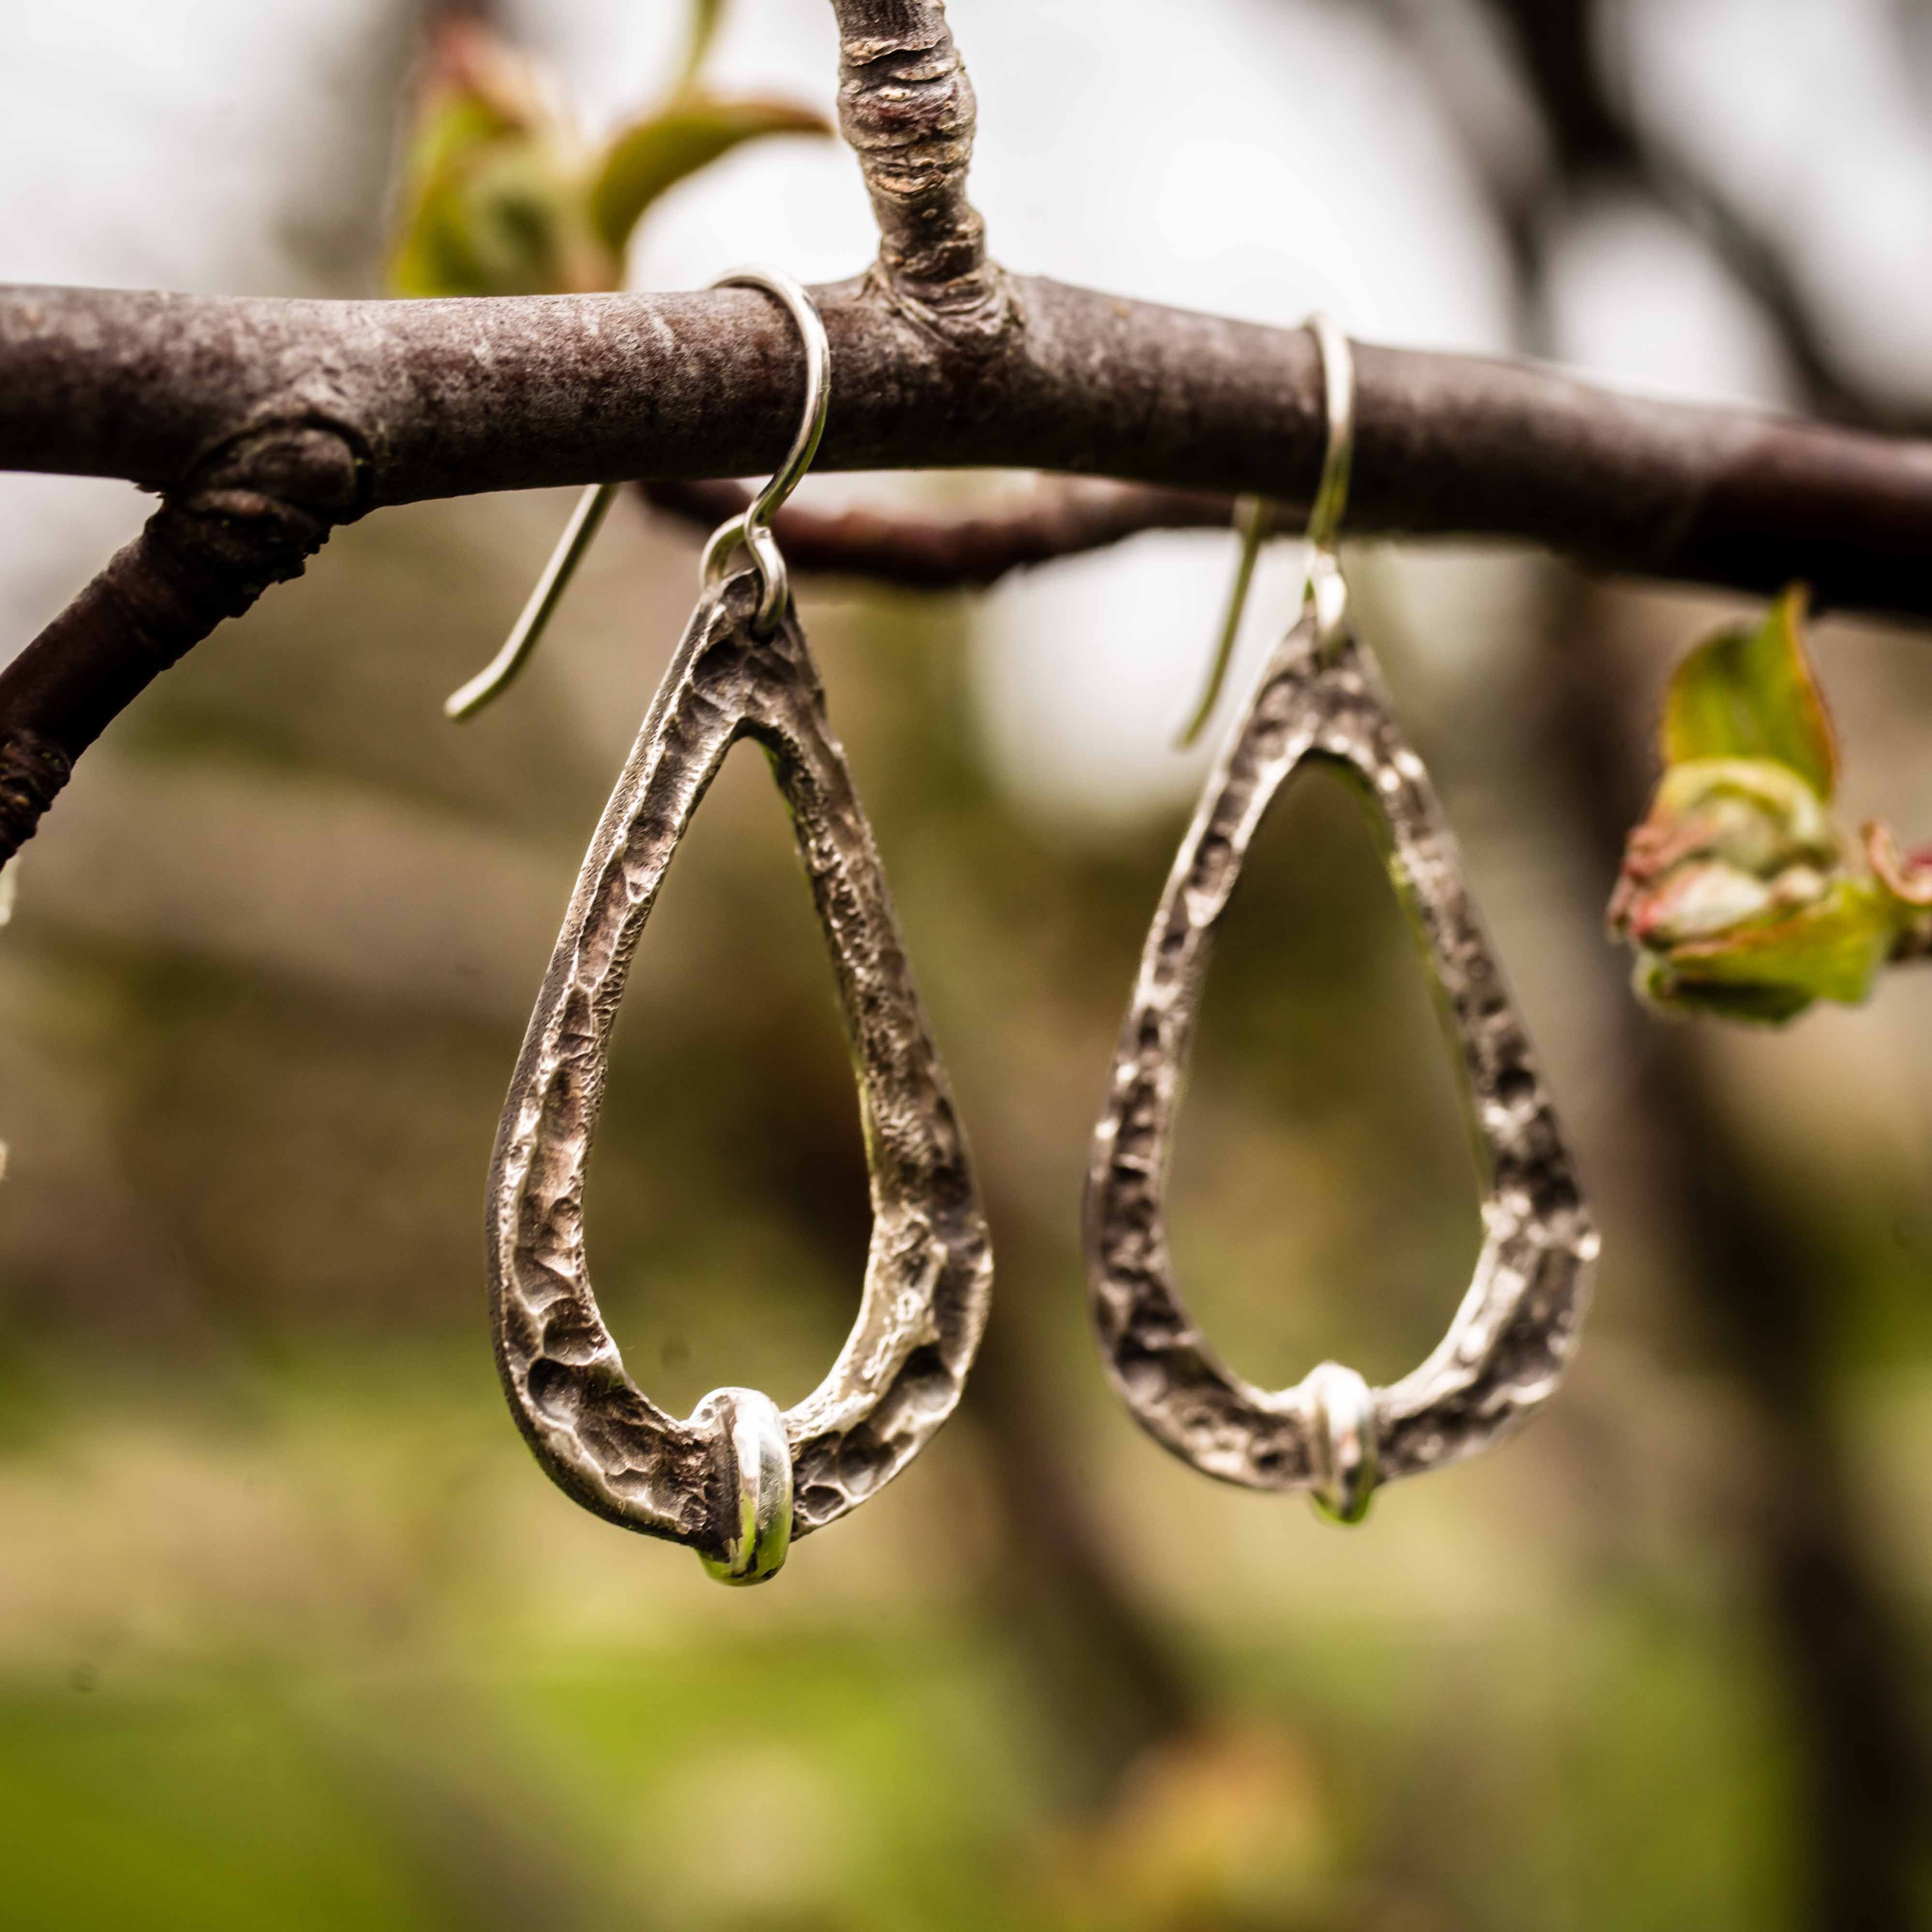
(252, 516)
(453, 397)
(442, 398)
(906, 109)
(926, 552)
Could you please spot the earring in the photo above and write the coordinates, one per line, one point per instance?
(1320, 700)
(736, 1479)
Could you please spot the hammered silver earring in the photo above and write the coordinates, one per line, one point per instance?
(1320, 700)
(736, 1479)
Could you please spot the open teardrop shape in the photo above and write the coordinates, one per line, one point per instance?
(717, 1480)
(1512, 1336)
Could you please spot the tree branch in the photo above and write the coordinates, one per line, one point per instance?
(251, 516)
(907, 110)
(449, 397)
(922, 553)
(265, 421)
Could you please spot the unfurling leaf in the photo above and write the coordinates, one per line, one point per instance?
(493, 201)
(500, 197)
(687, 133)
(1740, 894)
(1832, 949)
(1750, 694)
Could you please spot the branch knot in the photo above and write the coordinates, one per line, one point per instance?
(31, 772)
(252, 514)
(906, 108)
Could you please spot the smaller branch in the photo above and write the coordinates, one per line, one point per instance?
(906, 109)
(252, 516)
(951, 553)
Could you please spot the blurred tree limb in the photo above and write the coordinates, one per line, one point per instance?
(942, 553)
(1749, 1253)
(943, 360)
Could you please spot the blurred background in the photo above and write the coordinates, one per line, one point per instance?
(294, 1633)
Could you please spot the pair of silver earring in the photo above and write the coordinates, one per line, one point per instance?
(738, 1479)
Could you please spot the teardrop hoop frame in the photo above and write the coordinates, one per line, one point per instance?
(1320, 700)
(737, 1480)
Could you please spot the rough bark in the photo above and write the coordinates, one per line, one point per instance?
(226, 405)
(907, 110)
(251, 516)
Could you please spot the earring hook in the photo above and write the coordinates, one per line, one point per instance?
(1253, 517)
(750, 527)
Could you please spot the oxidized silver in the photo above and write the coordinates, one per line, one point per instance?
(751, 527)
(705, 1481)
(1320, 700)
(736, 1479)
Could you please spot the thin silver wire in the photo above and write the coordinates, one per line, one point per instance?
(1253, 520)
(751, 527)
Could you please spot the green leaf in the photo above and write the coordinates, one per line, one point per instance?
(504, 220)
(689, 133)
(1832, 950)
(492, 198)
(1750, 694)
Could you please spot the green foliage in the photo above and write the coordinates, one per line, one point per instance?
(688, 132)
(1739, 892)
(1750, 694)
(502, 197)
(1830, 950)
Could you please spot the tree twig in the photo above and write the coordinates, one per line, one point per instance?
(935, 552)
(906, 109)
(251, 516)
(942, 360)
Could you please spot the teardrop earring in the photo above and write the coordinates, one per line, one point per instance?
(1320, 700)
(736, 1479)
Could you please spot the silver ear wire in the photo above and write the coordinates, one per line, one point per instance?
(751, 527)
(497, 676)
(1253, 519)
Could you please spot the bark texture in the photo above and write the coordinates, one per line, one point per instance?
(251, 516)
(446, 398)
(263, 423)
(907, 110)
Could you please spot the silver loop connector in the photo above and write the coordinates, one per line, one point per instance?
(1345, 1441)
(757, 1486)
(1325, 592)
(751, 527)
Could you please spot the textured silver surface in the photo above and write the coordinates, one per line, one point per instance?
(1508, 1346)
(928, 1276)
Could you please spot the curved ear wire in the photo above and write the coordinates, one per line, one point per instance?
(1320, 700)
(752, 528)
(502, 670)
(1254, 516)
